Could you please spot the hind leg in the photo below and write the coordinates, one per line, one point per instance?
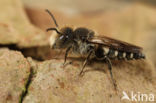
(110, 70)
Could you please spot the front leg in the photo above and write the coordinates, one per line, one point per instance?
(66, 54)
(85, 62)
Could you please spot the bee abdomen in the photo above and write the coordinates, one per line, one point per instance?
(115, 54)
(139, 56)
(111, 53)
(130, 56)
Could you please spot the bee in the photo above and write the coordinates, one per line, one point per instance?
(82, 41)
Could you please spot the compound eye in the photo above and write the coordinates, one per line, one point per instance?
(61, 37)
(67, 36)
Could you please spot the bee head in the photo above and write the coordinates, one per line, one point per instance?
(61, 39)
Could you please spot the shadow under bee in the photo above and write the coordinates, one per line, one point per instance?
(133, 68)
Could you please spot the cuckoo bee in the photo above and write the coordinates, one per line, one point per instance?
(82, 41)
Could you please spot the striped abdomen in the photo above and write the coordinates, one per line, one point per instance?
(115, 54)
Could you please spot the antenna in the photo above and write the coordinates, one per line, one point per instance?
(52, 17)
(54, 30)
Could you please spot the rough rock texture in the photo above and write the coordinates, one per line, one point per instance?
(16, 31)
(54, 83)
(15, 27)
(14, 73)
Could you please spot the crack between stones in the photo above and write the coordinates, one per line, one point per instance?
(27, 52)
(26, 87)
(33, 52)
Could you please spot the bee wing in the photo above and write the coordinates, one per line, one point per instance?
(115, 44)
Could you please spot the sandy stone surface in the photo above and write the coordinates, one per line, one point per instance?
(14, 73)
(54, 83)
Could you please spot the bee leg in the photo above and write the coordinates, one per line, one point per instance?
(85, 62)
(66, 54)
(110, 70)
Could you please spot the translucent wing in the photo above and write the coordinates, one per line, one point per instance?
(115, 44)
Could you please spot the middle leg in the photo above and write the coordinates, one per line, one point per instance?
(85, 62)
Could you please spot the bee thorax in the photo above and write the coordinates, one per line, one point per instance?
(82, 48)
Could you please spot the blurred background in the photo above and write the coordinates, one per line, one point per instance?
(132, 21)
(23, 23)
